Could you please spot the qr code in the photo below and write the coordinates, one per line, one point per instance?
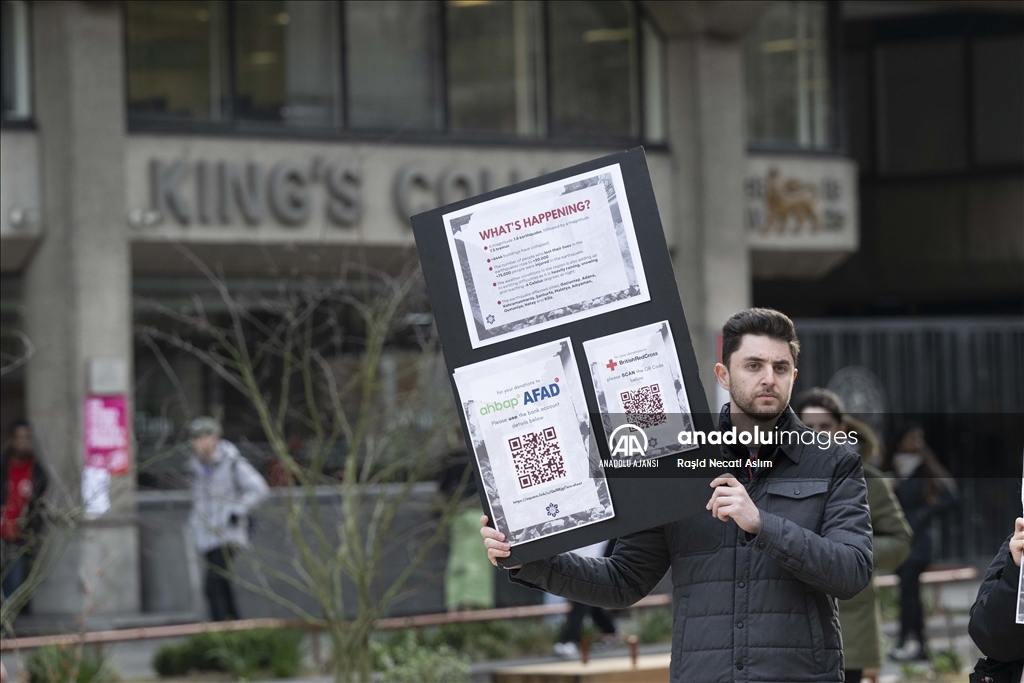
(644, 407)
(537, 457)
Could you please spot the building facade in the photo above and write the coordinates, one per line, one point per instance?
(278, 139)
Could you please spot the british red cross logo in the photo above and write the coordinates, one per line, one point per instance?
(611, 364)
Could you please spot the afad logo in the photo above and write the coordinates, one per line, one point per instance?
(529, 396)
(627, 444)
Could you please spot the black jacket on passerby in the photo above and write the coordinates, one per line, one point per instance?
(745, 608)
(34, 513)
(993, 624)
(920, 511)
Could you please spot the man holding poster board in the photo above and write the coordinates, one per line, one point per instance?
(755, 578)
(557, 307)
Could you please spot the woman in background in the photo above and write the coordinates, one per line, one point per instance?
(924, 488)
(860, 618)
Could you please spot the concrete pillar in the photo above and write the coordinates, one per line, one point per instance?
(78, 289)
(707, 137)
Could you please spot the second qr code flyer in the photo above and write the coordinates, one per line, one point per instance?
(639, 382)
(531, 435)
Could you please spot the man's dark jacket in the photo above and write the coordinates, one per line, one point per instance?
(746, 608)
(993, 624)
(34, 513)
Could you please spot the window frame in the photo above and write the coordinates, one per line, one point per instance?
(230, 126)
(837, 127)
(642, 17)
(28, 121)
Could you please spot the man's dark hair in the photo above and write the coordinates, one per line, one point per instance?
(765, 322)
(819, 398)
(17, 424)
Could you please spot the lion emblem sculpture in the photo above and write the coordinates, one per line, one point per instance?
(792, 199)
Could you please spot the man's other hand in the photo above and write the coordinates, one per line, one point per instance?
(731, 501)
(495, 543)
(1017, 542)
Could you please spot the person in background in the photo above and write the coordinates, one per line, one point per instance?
(225, 489)
(23, 482)
(868, 446)
(569, 645)
(278, 474)
(993, 625)
(468, 577)
(925, 488)
(860, 618)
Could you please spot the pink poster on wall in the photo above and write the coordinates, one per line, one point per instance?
(106, 433)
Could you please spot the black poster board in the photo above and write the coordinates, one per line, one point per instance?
(640, 502)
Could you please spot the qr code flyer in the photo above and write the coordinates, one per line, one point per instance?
(638, 382)
(534, 446)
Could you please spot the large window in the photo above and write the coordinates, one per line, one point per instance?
(14, 61)
(494, 74)
(393, 60)
(286, 60)
(788, 78)
(284, 65)
(494, 68)
(593, 55)
(997, 65)
(947, 101)
(920, 101)
(177, 65)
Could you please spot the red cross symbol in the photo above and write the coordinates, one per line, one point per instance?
(611, 364)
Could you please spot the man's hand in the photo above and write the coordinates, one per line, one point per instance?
(731, 501)
(494, 541)
(1017, 542)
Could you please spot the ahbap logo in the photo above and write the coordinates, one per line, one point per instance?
(490, 319)
(552, 509)
(627, 443)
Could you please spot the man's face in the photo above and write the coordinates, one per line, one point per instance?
(760, 376)
(21, 441)
(205, 446)
(821, 420)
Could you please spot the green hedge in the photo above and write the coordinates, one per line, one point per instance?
(240, 653)
(404, 660)
(56, 663)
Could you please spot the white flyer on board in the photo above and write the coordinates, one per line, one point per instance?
(639, 382)
(531, 436)
(546, 256)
